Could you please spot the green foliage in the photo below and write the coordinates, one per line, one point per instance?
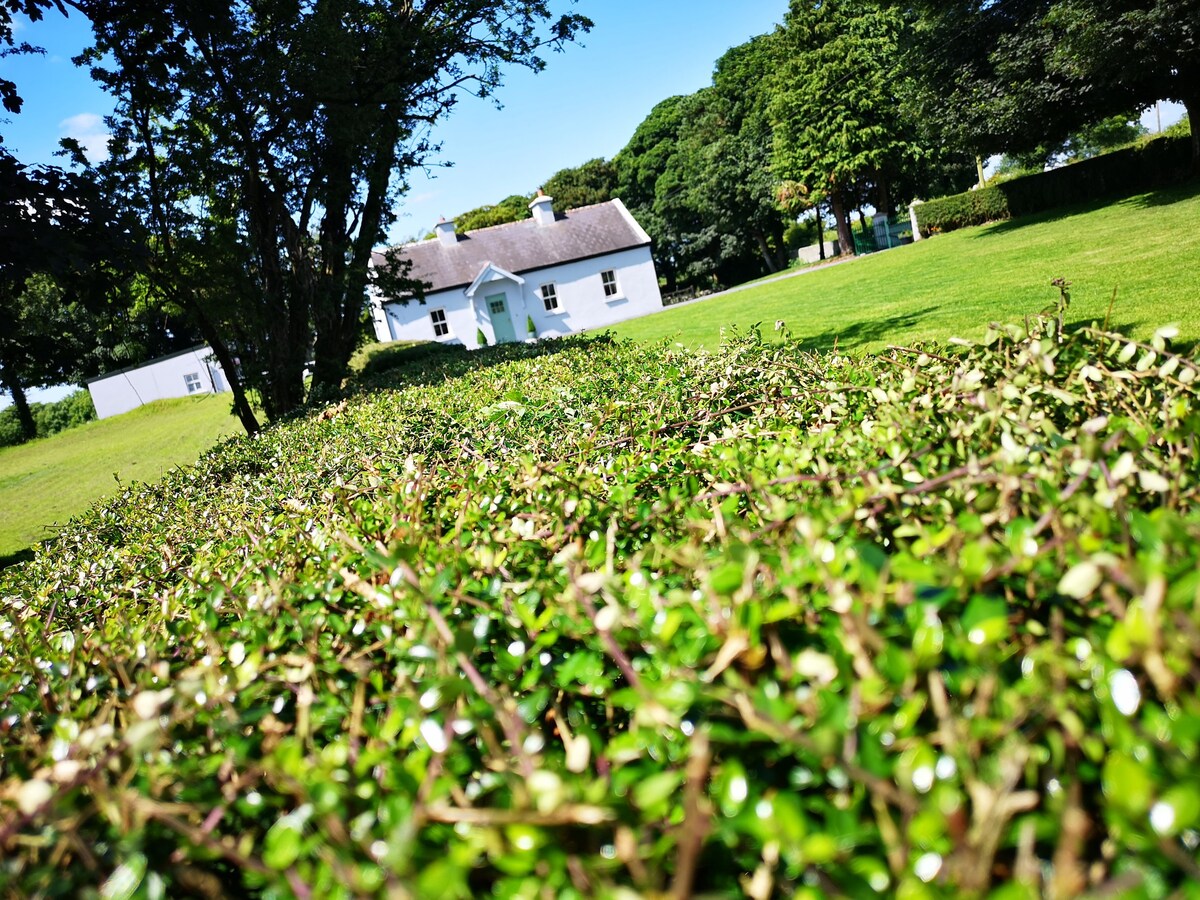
(480, 337)
(530, 328)
(511, 209)
(976, 207)
(593, 182)
(1025, 74)
(794, 622)
(49, 418)
(1162, 161)
(268, 144)
(374, 359)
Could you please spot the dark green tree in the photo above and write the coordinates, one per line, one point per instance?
(593, 182)
(1020, 75)
(279, 135)
(513, 208)
(837, 124)
(57, 238)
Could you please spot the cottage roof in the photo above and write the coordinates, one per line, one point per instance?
(524, 246)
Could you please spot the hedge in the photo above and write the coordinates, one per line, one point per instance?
(593, 619)
(1153, 164)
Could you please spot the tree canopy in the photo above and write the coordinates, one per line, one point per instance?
(1011, 77)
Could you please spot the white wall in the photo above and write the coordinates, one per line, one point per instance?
(581, 301)
(158, 380)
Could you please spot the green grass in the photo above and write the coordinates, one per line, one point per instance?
(44, 483)
(1147, 248)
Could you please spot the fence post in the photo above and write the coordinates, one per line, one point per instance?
(912, 216)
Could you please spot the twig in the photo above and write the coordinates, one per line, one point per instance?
(696, 818)
(581, 814)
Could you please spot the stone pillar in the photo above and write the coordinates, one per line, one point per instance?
(912, 217)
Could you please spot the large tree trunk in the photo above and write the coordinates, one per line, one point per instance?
(241, 404)
(883, 202)
(20, 403)
(767, 256)
(820, 231)
(1192, 105)
(842, 219)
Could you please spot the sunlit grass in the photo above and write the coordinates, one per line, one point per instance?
(46, 482)
(1146, 249)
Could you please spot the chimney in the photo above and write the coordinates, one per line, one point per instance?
(543, 208)
(445, 232)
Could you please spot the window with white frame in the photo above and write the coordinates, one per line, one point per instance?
(609, 280)
(441, 327)
(550, 297)
(193, 382)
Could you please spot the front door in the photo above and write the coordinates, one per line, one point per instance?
(502, 324)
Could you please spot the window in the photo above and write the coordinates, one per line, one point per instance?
(550, 297)
(609, 280)
(441, 327)
(496, 306)
(192, 380)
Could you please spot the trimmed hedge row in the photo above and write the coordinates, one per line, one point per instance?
(597, 620)
(1156, 163)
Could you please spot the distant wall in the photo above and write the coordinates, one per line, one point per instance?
(813, 254)
(178, 375)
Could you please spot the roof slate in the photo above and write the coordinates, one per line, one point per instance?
(523, 246)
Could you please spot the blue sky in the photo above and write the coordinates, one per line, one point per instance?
(585, 104)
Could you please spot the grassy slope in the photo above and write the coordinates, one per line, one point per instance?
(1146, 247)
(49, 481)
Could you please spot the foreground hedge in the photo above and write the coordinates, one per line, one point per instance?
(1153, 164)
(597, 620)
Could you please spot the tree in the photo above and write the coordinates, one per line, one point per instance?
(277, 135)
(1015, 76)
(55, 233)
(513, 208)
(593, 182)
(836, 120)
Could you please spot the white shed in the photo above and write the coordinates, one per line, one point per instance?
(181, 374)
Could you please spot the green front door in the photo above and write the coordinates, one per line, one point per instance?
(502, 323)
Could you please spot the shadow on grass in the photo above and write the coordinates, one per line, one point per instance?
(1161, 197)
(13, 559)
(853, 337)
(1167, 197)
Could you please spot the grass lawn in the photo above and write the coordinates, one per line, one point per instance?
(46, 482)
(1147, 248)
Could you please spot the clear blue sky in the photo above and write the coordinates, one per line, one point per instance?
(585, 104)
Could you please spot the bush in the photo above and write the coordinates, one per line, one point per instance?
(74, 409)
(376, 359)
(756, 621)
(1152, 164)
(49, 418)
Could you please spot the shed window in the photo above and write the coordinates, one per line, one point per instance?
(441, 327)
(193, 382)
(550, 297)
(609, 280)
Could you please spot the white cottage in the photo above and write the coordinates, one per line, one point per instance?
(564, 272)
(181, 374)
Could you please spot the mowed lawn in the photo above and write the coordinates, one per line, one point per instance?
(46, 482)
(1146, 248)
